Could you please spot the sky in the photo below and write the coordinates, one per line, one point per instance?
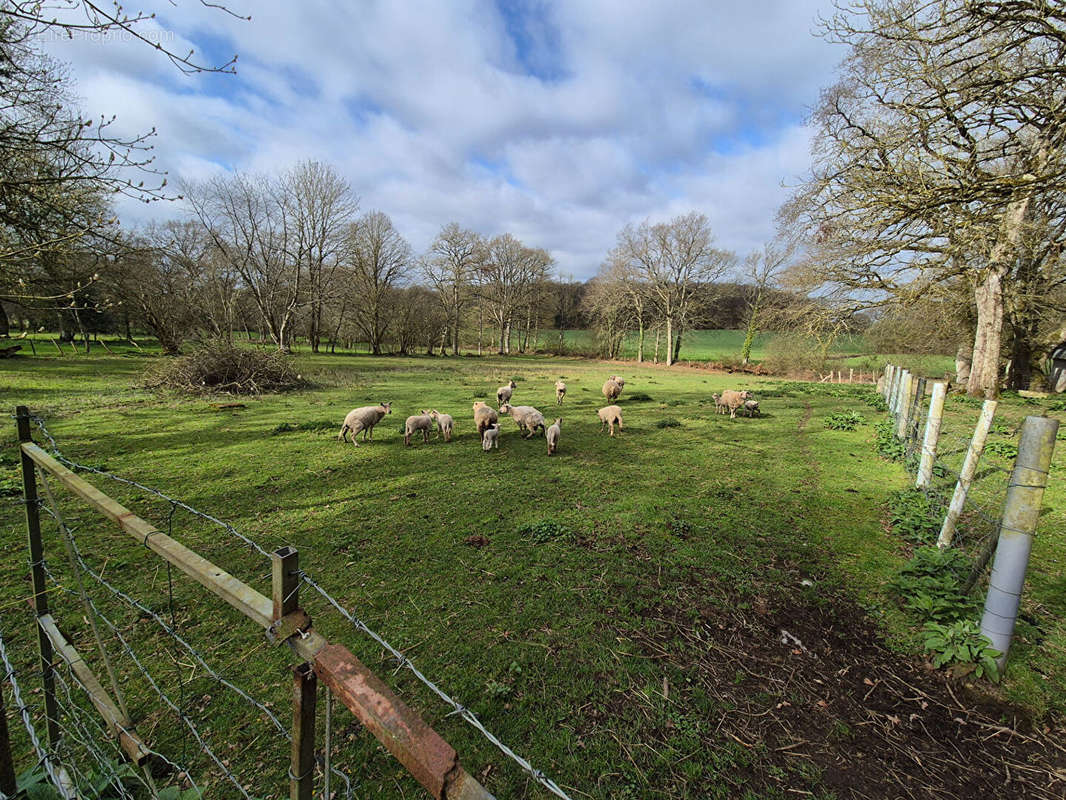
(557, 122)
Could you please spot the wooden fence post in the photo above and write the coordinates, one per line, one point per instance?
(969, 469)
(1021, 513)
(37, 575)
(302, 768)
(932, 435)
(916, 410)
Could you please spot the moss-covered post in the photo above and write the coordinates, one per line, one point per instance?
(1021, 512)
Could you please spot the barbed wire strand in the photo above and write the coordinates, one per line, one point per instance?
(359, 625)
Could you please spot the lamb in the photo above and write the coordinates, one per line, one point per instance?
(363, 419)
(560, 391)
(491, 437)
(613, 388)
(552, 434)
(526, 417)
(718, 407)
(752, 407)
(609, 415)
(484, 416)
(733, 400)
(420, 422)
(445, 423)
(503, 394)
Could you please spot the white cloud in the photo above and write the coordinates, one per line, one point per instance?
(435, 111)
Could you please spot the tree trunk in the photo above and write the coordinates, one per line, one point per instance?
(749, 337)
(988, 298)
(669, 341)
(963, 362)
(5, 323)
(658, 333)
(640, 341)
(677, 344)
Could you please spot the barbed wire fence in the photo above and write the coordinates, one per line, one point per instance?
(193, 706)
(966, 465)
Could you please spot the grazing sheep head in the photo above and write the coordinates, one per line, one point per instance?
(387, 407)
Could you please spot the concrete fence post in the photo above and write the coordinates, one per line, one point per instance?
(886, 386)
(914, 421)
(932, 435)
(969, 469)
(1021, 513)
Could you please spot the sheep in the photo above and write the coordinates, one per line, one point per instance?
(733, 400)
(491, 437)
(363, 419)
(752, 407)
(609, 415)
(552, 434)
(527, 418)
(445, 423)
(503, 394)
(560, 392)
(419, 422)
(484, 416)
(718, 407)
(613, 388)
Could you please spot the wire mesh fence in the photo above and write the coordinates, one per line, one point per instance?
(156, 688)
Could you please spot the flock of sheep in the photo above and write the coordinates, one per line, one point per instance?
(528, 419)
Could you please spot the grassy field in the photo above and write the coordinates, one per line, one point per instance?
(614, 612)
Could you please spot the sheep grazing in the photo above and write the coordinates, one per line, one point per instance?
(733, 400)
(420, 422)
(527, 419)
(491, 437)
(560, 392)
(445, 423)
(752, 407)
(552, 434)
(503, 394)
(613, 388)
(718, 407)
(363, 419)
(484, 416)
(609, 415)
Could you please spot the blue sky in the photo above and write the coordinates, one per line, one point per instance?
(558, 122)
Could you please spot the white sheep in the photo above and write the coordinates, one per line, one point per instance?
(552, 434)
(733, 400)
(718, 407)
(419, 422)
(363, 419)
(445, 424)
(503, 394)
(609, 415)
(484, 416)
(560, 392)
(527, 418)
(752, 407)
(491, 437)
(612, 388)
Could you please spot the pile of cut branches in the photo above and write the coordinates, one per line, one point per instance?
(221, 368)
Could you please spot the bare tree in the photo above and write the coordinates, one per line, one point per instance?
(761, 271)
(379, 260)
(510, 274)
(451, 266)
(674, 259)
(319, 205)
(245, 218)
(946, 127)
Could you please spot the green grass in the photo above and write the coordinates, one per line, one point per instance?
(536, 629)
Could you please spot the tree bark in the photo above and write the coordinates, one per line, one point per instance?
(5, 323)
(640, 341)
(669, 341)
(984, 373)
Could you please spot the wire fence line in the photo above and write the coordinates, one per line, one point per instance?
(194, 662)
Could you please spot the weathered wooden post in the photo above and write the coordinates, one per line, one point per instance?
(890, 379)
(932, 435)
(897, 395)
(1021, 512)
(969, 469)
(302, 769)
(37, 575)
